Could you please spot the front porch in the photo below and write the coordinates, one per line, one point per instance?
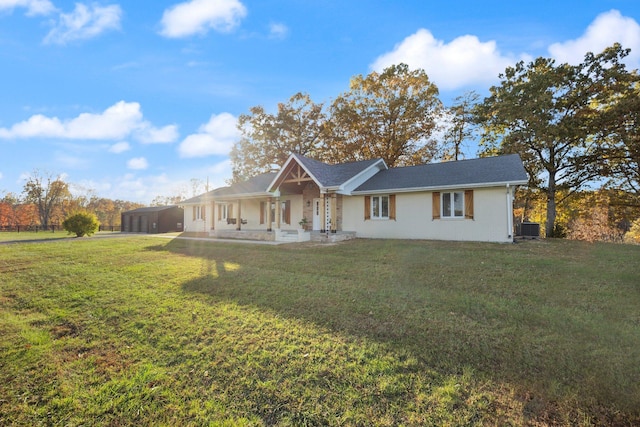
(284, 235)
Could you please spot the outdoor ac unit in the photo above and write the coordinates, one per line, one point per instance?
(528, 229)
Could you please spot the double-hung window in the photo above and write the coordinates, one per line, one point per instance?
(379, 207)
(453, 205)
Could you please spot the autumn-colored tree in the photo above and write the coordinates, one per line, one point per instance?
(551, 115)
(389, 115)
(459, 125)
(47, 193)
(268, 139)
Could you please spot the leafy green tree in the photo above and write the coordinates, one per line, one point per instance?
(389, 115)
(82, 224)
(268, 139)
(48, 193)
(621, 158)
(552, 114)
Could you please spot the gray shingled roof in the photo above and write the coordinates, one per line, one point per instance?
(257, 184)
(487, 170)
(334, 175)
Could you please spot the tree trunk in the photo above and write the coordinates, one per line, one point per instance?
(551, 206)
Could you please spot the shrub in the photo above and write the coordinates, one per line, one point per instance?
(81, 223)
(633, 235)
(595, 227)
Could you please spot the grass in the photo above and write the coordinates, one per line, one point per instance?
(143, 331)
(14, 236)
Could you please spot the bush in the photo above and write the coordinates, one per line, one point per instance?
(633, 235)
(81, 223)
(595, 227)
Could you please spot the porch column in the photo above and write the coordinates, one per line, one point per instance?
(239, 216)
(268, 209)
(323, 213)
(278, 212)
(213, 214)
(334, 212)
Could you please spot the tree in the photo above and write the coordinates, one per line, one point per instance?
(460, 125)
(268, 139)
(621, 159)
(389, 115)
(81, 223)
(47, 193)
(552, 115)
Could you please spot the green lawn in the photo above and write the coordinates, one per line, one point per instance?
(14, 236)
(146, 331)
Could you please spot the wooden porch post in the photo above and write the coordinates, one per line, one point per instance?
(323, 213)
(334, 212)
(213, 214)
(268, 208)
(239, 216)
(278, 212)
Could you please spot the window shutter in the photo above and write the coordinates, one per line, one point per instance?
(367, 207)
(287, 212)
(194, 213)
(468, 204)
(204, 212)
(392, 206)
(435, 211)
(262, 206)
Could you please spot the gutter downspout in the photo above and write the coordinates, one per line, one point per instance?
(509, 213)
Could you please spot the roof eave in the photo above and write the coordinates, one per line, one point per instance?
(440, 187)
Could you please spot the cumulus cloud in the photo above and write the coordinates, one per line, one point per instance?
(120, 147)
(84, 22)
(34, 7)
(608, 28)
(214, 138)
(121, 120)
(199, 16)
(462, 62)
(138, 163)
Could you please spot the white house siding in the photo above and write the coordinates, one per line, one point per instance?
(414, 218)
(250, 212)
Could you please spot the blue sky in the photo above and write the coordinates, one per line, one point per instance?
(134, 99)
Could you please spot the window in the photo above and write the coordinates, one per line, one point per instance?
(380, 207)
(453, 205)
(199, 213)
(285, 212)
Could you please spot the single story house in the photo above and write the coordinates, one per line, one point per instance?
(155, 219)
(462, 200)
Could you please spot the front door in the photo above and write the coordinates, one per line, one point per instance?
(317, 203)
(321, 215)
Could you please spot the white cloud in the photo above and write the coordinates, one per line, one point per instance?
(84, 22)
(462, 62)
(117, 122)
(199, 16)
(34, 7)
(278, 31)
(608, 28)
(214, 138)
(138, 163)
(120, 147)
(148, 134)
(0, 175)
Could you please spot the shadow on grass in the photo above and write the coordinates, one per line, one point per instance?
(408, 297)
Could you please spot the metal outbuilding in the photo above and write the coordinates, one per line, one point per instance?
(155, 219)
